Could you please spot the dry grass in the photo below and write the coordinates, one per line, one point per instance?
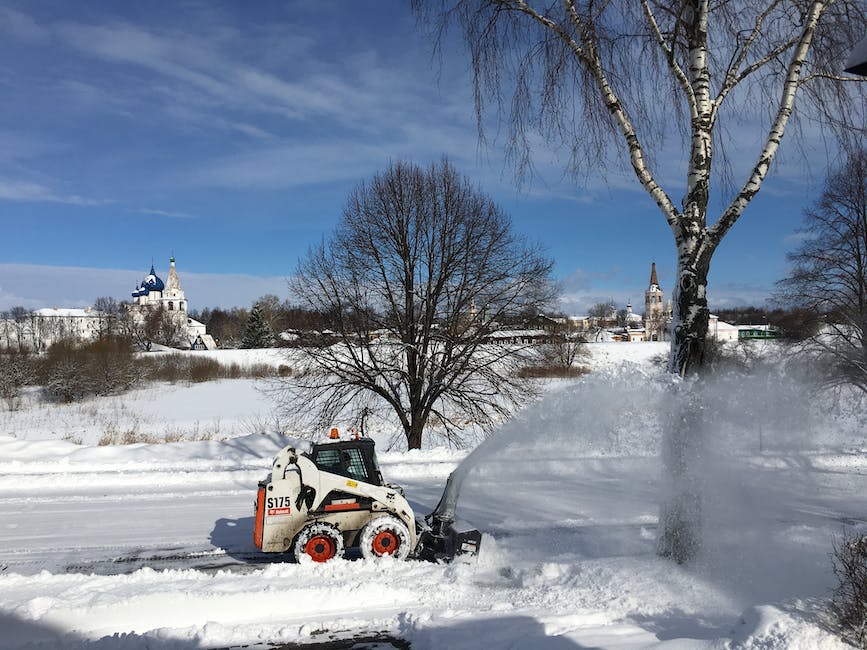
(130, 435)
(552, 372)
(180, 367)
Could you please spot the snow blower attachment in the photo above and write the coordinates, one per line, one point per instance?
(442, 539)
(318, 503)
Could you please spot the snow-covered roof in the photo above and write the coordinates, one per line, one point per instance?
(207, 340)
(857, 61)
(507, 334)
(764, 328)
(152, 282)
(57, 312)
(717, 324)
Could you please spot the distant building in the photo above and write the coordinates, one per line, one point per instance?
(546, 324)
(633, 320)
(153, 294)
(520, 337)
(746, 332)
(657, 316)
(38, 330)
(720, 330)
(203, 342)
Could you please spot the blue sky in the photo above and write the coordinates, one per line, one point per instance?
(229, 134)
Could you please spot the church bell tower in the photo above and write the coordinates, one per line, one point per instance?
(655, 321)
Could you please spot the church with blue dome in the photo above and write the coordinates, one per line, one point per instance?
(152, 294)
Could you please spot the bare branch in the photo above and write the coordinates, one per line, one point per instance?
(778, 128)
(669, 53)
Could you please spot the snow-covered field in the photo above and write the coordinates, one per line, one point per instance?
(149, 545)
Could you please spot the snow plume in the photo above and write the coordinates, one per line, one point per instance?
(768, 519)
(610, 413)
(764, 434)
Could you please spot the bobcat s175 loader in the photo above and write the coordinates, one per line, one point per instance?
(320, 502)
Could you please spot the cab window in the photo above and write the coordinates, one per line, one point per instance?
(345, 462)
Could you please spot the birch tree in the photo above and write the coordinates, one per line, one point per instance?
(631, 80)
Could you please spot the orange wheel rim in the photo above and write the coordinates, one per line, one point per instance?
(385, 543)
(320, 548)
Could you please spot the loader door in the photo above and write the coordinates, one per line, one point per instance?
(353, 459)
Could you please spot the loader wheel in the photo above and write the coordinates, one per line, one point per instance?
(385, 536)
(320, 542)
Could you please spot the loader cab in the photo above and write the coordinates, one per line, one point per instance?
(354, 459)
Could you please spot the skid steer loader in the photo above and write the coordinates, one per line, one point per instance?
(320, 502)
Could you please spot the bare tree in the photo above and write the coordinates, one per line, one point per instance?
(643, 74)
(108, 311)
(416, 261)
(622, 317)
(274, 312)
(829, 273)
(227, 327)
(152, 325)
(171, 330)
(19, 329)
(602, 310)
(602, 315)
(563, 351)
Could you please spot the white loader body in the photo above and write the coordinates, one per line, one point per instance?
(317, 512)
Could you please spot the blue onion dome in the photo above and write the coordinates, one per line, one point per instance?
(151, 283)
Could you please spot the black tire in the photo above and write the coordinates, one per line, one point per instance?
(319, 541)
(385, 536)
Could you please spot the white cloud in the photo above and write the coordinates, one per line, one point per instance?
(21, 25)
(733, 294)
(578, 303)
(204, 74)
(34, 192)
(34, 286)
(798, 237)
(165, 213)
(288, 166)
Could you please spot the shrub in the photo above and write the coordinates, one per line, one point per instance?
(260, 371)
(205, 369)
(171, 368)
(17, 369)
(849, 601)
(70, 370)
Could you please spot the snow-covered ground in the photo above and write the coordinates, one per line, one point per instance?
(149, 545)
